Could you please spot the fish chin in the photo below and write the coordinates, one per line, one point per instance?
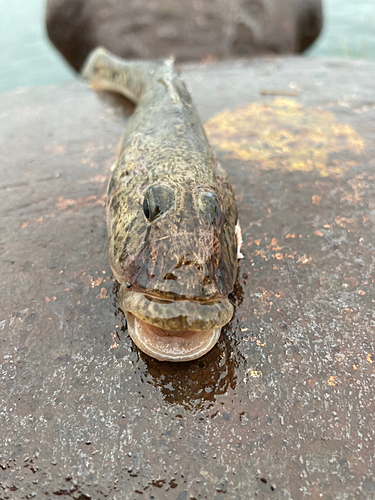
(170, 345)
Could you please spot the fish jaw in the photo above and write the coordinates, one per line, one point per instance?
(174, 330)
(169, 345)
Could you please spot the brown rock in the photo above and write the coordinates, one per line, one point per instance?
(275, 409)
(188, 30)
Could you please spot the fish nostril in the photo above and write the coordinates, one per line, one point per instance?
(170, 276)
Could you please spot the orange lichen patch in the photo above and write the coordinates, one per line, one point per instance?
(361, 292)
(316, 199)
(38, 220)
(350, 314)
(115, 344)
(304, 259)
(369, 357)
(261, 254)
(318, 233)
(84, 201)
(282, 134)
(88, 280)
(352, 198)
(332, 381)
(347, 310)
(97, 282)
(290, 255)
(32, 221)
(355, 367)
(290, 236)
(344, 222)
(263, 302)
(359, 185)
(260, 343)
(102, 294)
(271, 250)
(274, 245)
(254, 373)
(99, 178)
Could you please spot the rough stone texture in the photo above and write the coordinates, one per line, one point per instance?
(283, 406)
(189, 30)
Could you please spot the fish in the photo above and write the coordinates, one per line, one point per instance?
(173, 232)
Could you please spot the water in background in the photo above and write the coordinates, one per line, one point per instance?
(28, 58)
(26, 55)
(349, 30)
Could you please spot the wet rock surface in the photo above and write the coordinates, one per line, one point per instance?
(187, 30)
(283, 406)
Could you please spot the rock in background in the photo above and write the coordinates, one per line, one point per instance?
(189, 30)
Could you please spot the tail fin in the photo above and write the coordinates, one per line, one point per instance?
(102, 70)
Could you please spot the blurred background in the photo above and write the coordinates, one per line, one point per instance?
(28, 58)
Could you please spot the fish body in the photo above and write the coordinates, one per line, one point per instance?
(171, 214)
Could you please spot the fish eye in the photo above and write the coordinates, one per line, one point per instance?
(210, 208)
(157, 200)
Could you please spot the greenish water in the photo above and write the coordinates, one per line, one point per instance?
(27, 57)
(349, 29)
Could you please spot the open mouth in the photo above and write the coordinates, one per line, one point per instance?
(180, 330)
(171, 345)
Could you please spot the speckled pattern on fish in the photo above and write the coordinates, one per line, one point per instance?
(171, 214)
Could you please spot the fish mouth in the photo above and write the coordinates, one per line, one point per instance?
(170, 345)
(174, 330)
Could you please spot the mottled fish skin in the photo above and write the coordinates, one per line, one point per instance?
(186, 250)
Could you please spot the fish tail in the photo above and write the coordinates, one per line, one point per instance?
(104, 71)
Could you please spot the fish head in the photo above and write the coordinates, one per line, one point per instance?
(174, 250)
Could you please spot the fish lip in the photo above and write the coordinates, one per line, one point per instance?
(174, 315)
(172, 348)
(169, 298)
